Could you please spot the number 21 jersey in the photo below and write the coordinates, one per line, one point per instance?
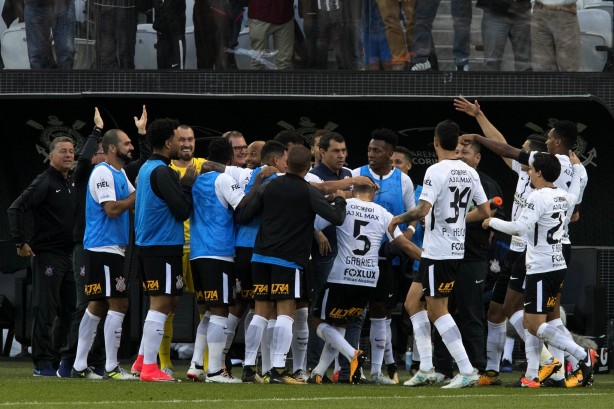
(449, 186)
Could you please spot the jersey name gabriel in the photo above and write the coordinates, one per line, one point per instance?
(449, 186)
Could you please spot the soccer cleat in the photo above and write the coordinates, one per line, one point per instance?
(442, 378)
(380, 379)
(222, 376)
(264, 378)
(506, 366)
(300, 375)
(87, 373)
(315, 379)
(422, 378)
(355, 365)
(249, 374)
(336, 376)
(151, 373)
(529, 383)
(119, 374)
(137, 366)
(280, 375)
(64, 369)
(196, 373)
(463, 380)
(489, 378)
(546, 370)
(554, 383)
(392, 370)
(44, 372)
(168, 370)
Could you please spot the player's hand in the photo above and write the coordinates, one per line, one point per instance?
(338, 193)
(463, 105)
(467, 139)
(573, 158)
(364, 181)
(486, 223)
(25, 251)
(98, 119)
(393, 225)
(267, 171)
(189, 176)
(141, 123)
(323, 244)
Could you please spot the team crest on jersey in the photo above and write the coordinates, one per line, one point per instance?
(306, 127)
(495, 267)
(49, 271)
(581, 148)
(120, 284)
(179, 284)
(82, 271)
(54, 129)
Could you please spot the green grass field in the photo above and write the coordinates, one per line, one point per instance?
(19, 389)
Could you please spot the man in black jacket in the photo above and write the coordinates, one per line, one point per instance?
(50, 197)
(288, 205)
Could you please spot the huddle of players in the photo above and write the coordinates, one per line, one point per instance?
(449, 187)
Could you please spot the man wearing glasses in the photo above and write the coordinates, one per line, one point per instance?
(239, 147)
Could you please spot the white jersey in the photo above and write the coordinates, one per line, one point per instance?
(358, 241)
(523, 190)
(542, 220)
(240, 175)
(449, 186)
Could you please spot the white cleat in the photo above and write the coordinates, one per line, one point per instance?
(197, 373)
(222, 377)
(463, 380)
(422, 378)
(380, 379)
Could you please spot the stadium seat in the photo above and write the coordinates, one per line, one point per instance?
(595, 39)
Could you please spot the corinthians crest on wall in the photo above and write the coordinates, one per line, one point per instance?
(54, 128)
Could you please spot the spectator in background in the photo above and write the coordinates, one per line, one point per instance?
(44, 18)
(503, 20)
(555, 36)
(377, 50)
(275, 19)
(239, 147)
(400, 39)
(169, 23)
(115, 34)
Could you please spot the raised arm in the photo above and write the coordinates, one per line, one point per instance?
(502, 149)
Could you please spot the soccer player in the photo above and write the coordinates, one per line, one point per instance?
(353, 277)
(215, 195)
(110, 196)
(254, 151)
(163, 202)
(288, 205)
(449, 187)
(401, 159)
(542, 220)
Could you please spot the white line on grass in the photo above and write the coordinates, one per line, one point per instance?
(306, 399)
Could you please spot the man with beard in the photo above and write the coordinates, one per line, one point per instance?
(163, 202)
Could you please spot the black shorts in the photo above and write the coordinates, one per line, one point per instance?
(162, 275)
(218, 279)
(567, 254)
(438, 276)
(385, 291)
(273, 282)
(340, 302)
(502, 281)
(105, 276)
(541, 291)
(243, 268)
(518, 271)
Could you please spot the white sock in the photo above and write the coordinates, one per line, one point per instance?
(557, 353)
(253, 338)
(232, 323)
(415, 356)
(451, 337)
(508, 349)
(142, 347)
(282, 340)
(572, 360)
(422, 337)
(377, 336)
(300, 336)
(388, 352)
(495, 341)
(216, 339)
(532, 348)
(153, 331)
(112, 338)
(516, 321)
(87, 333)
(333, 336)
(248, 320)
(265, 348)
(556, 337)
(329, 353)
(200, 344)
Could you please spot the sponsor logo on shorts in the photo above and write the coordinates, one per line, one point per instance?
(247, 294)
(199, 296)
(92, 289)
(151, 285)
(341, 313)
(446, 288)
(179, 284)
(49, 271)
(261, 289)
(280, 289)
(211, 295)
(82, 271)
(120, 284)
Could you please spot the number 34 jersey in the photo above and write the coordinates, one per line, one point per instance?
(449, 186)
(358, 240)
